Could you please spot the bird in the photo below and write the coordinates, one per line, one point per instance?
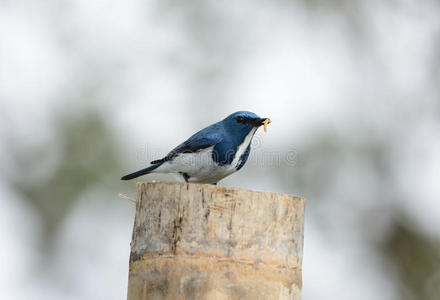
(212, 153)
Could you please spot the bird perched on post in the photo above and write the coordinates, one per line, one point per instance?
(212, 153)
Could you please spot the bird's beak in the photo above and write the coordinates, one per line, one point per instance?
(260, 121)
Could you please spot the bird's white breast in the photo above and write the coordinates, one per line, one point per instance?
(201, 167)
(242, 148)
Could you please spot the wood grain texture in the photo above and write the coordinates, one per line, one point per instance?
(196, 241)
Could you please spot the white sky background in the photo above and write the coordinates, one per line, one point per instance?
(160, 83)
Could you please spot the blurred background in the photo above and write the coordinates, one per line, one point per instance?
(91, 90)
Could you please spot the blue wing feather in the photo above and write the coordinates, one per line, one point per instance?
(205, 138)
(224, 152)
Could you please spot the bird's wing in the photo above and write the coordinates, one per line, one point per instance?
(205, 138)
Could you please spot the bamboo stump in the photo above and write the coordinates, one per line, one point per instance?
(196, 241)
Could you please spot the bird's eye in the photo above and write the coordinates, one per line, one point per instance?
(240, 119)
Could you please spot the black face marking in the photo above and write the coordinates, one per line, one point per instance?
(240, 119)
(185, 176)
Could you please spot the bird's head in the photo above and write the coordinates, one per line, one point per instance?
(241, 123)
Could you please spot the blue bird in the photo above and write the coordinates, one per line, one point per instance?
(212, 153)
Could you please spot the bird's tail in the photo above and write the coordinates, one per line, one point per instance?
(141, 172)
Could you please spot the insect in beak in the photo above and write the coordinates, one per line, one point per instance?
(267, 121)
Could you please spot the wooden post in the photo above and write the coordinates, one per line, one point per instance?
(197, 241)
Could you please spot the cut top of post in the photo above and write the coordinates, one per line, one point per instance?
(226, 223)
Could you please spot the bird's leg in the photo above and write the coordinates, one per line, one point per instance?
(185, 176)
